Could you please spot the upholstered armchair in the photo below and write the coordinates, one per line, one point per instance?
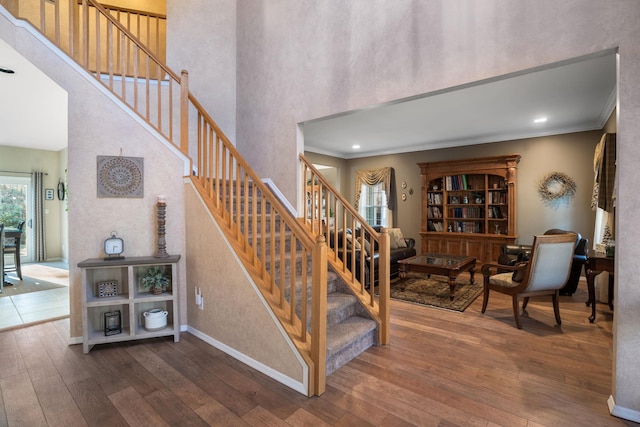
(511, 254)
(545, 273)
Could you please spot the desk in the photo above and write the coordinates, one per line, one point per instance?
(595, 265)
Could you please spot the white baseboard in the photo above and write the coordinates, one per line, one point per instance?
(258, 366)
(75, 340)
(624, 413)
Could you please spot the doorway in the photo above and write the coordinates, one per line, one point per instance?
(15, 207)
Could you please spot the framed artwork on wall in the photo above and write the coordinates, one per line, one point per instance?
(120, 176)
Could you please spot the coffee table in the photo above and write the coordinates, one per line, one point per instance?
(438, 264)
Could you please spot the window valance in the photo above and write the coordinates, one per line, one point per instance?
(374, 177)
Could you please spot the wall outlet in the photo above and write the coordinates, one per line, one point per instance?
(199, 298)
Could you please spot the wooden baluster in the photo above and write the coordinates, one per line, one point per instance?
(319, 314)
(383, 287)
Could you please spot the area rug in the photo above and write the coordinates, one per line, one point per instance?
(35, 278)
(434, 292)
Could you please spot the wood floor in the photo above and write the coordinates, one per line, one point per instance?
(441, 369)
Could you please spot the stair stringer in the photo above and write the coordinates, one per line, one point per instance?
(236, 318)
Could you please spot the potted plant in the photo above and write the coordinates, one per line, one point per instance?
(155, 279)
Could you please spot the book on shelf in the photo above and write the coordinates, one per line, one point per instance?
(456, 182)
(466, 212)
(495, 212)
(434, 226)
(435, 198)
(466, 227)
(499, 197)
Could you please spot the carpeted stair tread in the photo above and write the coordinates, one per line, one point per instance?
(342, 334)
(340, 307)
(348, 339)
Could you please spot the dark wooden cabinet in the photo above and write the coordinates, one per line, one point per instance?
(469, 206)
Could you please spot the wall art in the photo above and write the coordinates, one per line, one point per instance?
(120, 176)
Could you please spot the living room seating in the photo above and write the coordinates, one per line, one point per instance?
(511, 254)
(545, 273)
(400, 247)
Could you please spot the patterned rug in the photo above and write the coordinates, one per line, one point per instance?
(434, 292)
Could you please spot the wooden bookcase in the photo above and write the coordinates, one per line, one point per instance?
(128, 296)
(469, 206)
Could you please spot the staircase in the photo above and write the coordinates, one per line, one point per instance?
(350, 330)
(339, 317)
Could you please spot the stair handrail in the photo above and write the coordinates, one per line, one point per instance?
(320, 198)
(223, 179)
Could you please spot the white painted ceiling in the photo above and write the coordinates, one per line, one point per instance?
(575, 96)
(33, 108)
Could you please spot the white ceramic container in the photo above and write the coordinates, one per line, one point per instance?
(155, 319)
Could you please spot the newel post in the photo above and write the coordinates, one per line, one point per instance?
(319, 315)
(383, 287)
(184, 112)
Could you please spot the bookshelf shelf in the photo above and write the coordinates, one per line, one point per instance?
(468, 206)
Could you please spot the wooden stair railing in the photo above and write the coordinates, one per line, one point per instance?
(326, 212)
(237, 198)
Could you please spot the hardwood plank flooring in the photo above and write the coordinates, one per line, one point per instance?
(441, 369)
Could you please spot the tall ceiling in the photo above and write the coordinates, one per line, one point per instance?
(573, 96)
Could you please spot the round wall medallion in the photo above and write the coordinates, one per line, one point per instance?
(120, 176)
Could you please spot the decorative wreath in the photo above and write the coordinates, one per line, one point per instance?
(556, 186)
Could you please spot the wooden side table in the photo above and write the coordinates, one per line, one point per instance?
(595, 265)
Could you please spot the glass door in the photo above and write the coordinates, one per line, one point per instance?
(15, 206)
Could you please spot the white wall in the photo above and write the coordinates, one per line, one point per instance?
(303, 60)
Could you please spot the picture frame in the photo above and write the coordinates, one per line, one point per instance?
(454, 200)
(112, 323)
(48, 194)
(107, 289)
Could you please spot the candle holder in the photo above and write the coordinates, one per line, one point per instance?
(161, 206)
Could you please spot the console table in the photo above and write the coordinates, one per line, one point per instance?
(595, 265)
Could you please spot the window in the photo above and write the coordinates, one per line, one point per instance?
(373, 188)
(373, 205)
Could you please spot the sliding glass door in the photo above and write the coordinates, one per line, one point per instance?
(15, 207)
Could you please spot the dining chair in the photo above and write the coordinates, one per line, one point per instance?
(11, 245)
(546, 272)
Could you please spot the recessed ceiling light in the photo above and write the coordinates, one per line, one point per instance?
(540, 120)
(355, 147)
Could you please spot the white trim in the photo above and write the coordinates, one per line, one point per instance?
(75, 340)
(94, 82)
(301, 387)
(269, 183)
(272, 373)
(624, 413)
